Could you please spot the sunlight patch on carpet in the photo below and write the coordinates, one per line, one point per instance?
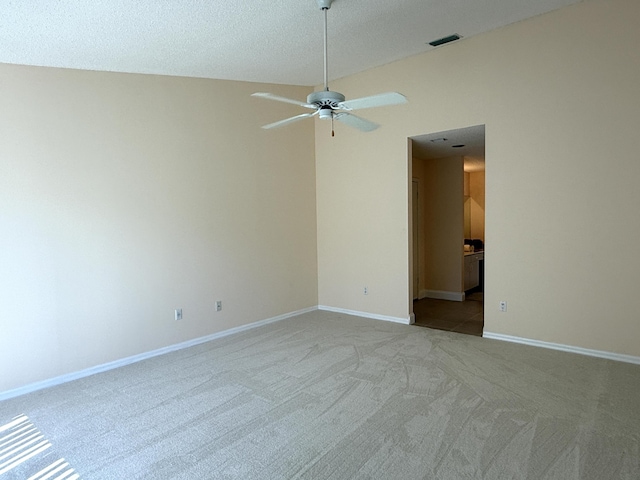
(25, 451)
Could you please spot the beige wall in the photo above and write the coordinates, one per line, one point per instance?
(476, 204)
(467, 207)
(441, 202)
(559, 97)
(416, 228)
(123, 197)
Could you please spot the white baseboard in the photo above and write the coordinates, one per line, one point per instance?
(442, 295)
(32, 387)
(386, 318)
(564, 348)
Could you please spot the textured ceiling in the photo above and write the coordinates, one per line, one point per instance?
(466, 142)
(277, 41)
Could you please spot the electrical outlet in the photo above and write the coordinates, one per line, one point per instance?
(218, 305)
(178, 314)
(503, 306)
(366, 291)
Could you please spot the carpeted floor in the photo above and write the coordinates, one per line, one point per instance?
(330, 396)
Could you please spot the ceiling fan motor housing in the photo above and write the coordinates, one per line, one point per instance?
(325, 98)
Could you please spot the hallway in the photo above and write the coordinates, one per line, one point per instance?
(461, 317)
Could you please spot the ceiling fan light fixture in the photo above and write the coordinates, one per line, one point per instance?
(325, 113)
(324, 4)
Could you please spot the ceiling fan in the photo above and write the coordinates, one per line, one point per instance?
(333, 105)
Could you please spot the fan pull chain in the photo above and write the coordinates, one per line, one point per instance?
(332, 132)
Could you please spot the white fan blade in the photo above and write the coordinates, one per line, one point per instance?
(355, 121)
(270, 96)
(380, 100)
(287, 121)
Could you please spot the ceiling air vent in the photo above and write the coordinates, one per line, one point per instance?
(443, 40)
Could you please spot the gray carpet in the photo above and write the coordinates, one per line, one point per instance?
(330, 396)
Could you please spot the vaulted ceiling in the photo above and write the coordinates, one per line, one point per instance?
(276, 41)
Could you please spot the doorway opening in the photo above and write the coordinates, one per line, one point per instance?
(447, 207)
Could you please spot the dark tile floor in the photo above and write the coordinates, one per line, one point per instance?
(461, 317)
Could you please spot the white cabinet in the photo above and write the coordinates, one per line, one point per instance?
(472, 270)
